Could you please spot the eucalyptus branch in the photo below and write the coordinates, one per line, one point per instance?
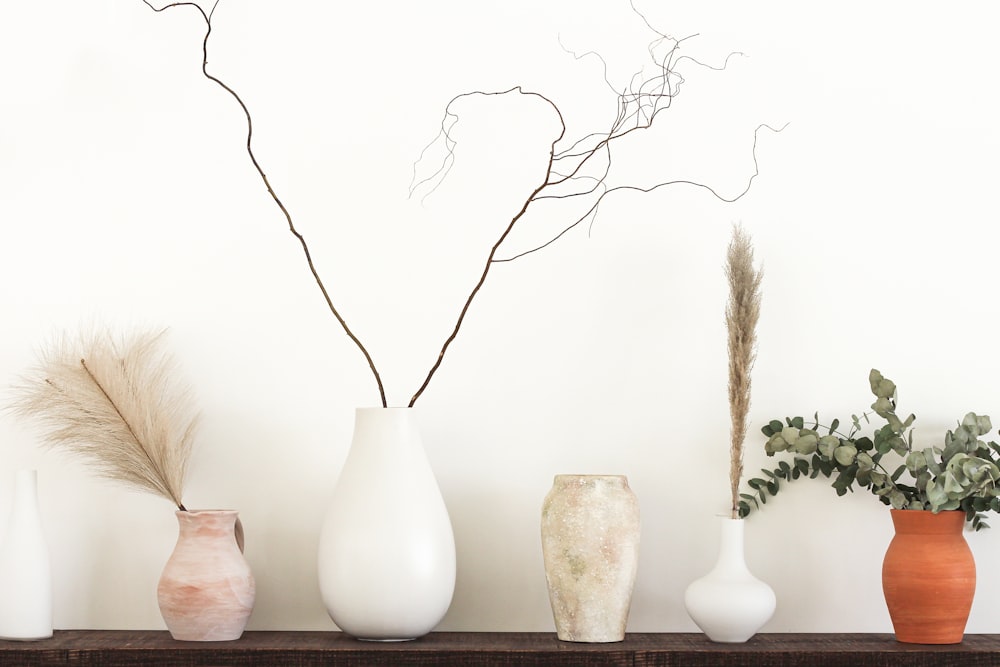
(270, 190)
(962, 474)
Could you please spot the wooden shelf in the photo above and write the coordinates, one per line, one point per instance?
(131, 648)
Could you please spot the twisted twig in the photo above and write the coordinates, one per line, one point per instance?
(253, 158)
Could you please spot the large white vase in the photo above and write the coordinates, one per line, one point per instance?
(386, 549)
(729, 604)
(25, 573)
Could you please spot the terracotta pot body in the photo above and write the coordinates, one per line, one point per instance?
(590, 546)
(729, 603)
(928, 577)
(206, 592)
(386, 556)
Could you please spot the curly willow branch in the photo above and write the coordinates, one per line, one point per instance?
(253, 158)
(639, 104)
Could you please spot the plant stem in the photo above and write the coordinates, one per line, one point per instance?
(253, 158)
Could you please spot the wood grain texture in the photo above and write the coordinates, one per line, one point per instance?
(126, 648)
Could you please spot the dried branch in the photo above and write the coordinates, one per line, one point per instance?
(116, 404)
(506, 231)
(578, 169)
(742, 313)
(581, 168)
(253, 158)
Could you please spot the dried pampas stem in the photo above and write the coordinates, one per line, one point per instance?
(114, 403)
(742, 313)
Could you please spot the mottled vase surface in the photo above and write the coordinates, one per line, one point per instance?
(590, 545)
(207, 591)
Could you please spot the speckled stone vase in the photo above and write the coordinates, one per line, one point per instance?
(590, 545)
(206, 592)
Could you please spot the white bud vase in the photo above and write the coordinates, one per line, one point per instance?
(386, 549)
(729, 604)
(590, 546)
(25, 573)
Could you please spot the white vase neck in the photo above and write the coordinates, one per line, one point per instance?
(386, 425)
(731, 554)
(26, 488)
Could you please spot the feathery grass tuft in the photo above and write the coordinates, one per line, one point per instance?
(742, 313)
(113, 402)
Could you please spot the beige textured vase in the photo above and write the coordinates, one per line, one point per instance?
(590, 545)
(206, 592)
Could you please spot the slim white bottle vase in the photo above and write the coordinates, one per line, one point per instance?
(25, 573)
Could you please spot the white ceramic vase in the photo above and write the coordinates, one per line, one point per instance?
(25, 573)
(590, 546)
(206, 591)
(386, 548)
(729, 604)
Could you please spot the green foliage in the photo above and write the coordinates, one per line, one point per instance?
(960, 475)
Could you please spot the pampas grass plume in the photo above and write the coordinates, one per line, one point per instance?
(113, 401)
(742, 313)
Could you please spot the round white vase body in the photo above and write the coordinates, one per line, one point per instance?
(25, 573)
(729, 604)
(386, 548)
(590, 546)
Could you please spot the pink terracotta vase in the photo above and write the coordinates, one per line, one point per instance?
(206, 592)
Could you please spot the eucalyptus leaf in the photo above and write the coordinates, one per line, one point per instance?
(845, 454)
(962, 473)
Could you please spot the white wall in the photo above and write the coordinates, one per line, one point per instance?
(127, 198)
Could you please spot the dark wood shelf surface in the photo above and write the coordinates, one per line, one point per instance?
(132, 648)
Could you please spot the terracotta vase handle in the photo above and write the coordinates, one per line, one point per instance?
(239, 534)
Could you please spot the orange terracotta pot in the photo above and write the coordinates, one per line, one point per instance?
(929, 577)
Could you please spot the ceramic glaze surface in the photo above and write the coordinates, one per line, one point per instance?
(590, 545)
(206, 592)
(25, 575)
(387, 551)
(929, 577)
(729, 603)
